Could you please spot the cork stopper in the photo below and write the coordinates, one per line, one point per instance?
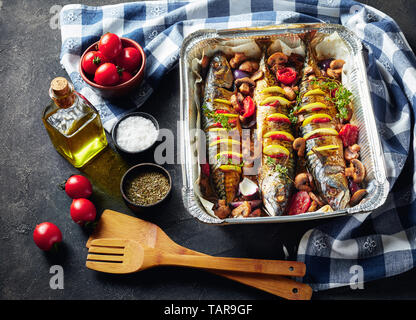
(60, 86)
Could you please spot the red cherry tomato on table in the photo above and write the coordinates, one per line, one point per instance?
(125, 76)
(46, 235)
(91, 61)
(82, 211)
(107, 75)
(78, 186)
(286, 75)
(129, 59)
(110, 45)
(300, 203)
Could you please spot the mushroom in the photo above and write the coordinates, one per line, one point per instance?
(221, 209)
(247, 80)
(245, 85)
(304, 182)
(357, 197)
(299, 145)
(336, 64)
(356, 171)
(237, 60)
(277, 58)
(289, 93)
(242, 210)
(334, 73)
(236, 101)
(249, 66)
(352, 152)
(257, 75)
(315, 198)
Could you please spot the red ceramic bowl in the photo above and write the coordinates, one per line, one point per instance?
(120, 89)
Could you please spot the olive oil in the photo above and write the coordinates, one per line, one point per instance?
(73, 124)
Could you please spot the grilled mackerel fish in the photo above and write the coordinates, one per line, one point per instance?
(317, 120)
(222, 128)
(274, 131)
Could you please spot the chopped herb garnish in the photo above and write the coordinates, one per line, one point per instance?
(277, 167)
(217, 117)
(342, 96)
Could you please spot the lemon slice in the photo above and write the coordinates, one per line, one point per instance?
(225, 141)
(275, 149)
(323, 131)
(315, 116)
(314, 92)
(223, 101)
(311, 106)
(277, 116)
(228, 153)
(330, 147)
(284, 133)
(273, 99)
(215, 129)
(229, 167)
(229, 115)
(273, 89)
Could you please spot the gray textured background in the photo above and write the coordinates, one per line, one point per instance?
(31, 171)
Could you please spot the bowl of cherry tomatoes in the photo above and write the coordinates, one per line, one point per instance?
(113, 66)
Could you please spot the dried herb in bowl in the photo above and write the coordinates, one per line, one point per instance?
(147, 188)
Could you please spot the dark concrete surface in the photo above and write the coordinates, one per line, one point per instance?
(31, 172)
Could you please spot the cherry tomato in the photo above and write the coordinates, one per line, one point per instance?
(78, 186)
(107, 75)
(92, 60)
(46, 235)
(249, 107)
(110, 45)
(286, 75)
(129, 59)
(82, 211)
(300, 203)
(125, 76)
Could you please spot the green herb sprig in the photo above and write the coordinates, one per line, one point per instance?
(281, 170)
(217, 117)
(342, 97)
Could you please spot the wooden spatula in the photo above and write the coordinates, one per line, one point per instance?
(128, 256)
(113, 224)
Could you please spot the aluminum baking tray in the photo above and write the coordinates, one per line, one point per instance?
(371, 150)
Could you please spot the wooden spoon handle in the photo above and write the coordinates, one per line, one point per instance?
(271, 267)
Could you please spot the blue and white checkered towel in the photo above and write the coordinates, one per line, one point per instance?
(341, 251)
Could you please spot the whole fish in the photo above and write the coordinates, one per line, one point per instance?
(222, 128)
(317, 120)
(274, 131)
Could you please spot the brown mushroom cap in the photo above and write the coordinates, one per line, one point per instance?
(359, 171)
(352, 152)
(304, 182)
(299, 145)
(247, 80)
(277, 58)
(357, 197)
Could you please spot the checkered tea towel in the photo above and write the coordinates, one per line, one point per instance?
(341, 251)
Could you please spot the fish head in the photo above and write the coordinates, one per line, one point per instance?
(336, 191)
(220, 72)
(275, 195)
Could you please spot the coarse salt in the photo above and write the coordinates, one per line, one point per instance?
(136, 133)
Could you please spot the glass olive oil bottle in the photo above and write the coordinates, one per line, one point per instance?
(73, 124)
